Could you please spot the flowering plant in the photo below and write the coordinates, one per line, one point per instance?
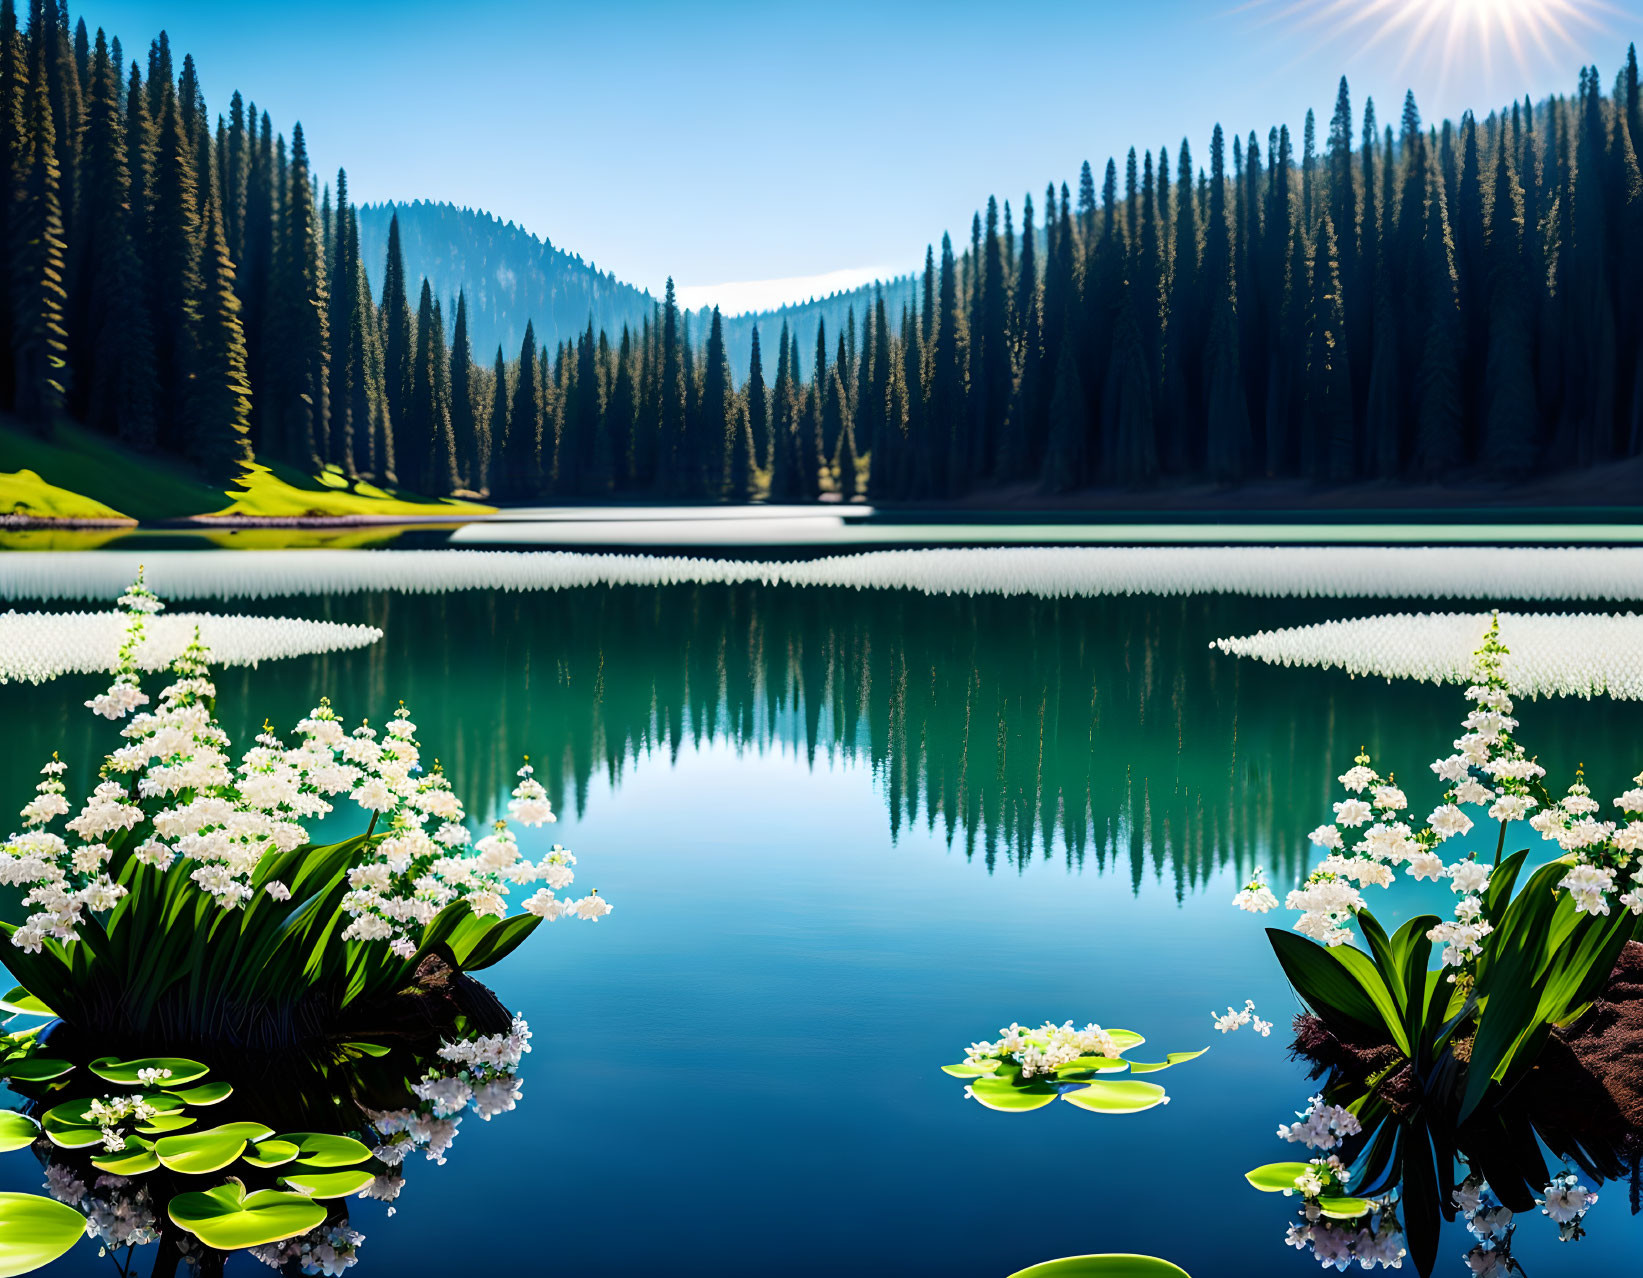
(1028, 1069)
(186, 899)
(1512, 966)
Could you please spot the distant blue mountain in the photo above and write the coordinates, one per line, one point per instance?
(511, 276)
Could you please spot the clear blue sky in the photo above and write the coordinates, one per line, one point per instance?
(727, 141)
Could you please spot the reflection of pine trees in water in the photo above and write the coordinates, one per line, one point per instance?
(1082, 730)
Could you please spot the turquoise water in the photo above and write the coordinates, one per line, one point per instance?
(846, 834)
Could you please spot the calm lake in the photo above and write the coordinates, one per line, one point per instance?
(846, 833)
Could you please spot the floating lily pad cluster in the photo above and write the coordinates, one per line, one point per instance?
(145, 1116)
(1007, 1080)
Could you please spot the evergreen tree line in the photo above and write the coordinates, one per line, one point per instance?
(1425, 303)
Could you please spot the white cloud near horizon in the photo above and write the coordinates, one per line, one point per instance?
(740, 297)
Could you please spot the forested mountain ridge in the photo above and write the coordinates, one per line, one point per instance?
(1461, 302)
(509, 276)
(513, 278)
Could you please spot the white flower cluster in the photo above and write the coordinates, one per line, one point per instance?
(39, 646)
(1567, 655)
(1255, 897)
(1605, 855)
(112, 1113)
(1566, 1201)
(1046, 1049)
(1233, 1020)
(1491, 1223)
(1488, 769)
(175, 784)
(479, 1072)
(1321, 572)
(1374, 1239)
(1321, 1126)
(329, 1249)
(118, 1211)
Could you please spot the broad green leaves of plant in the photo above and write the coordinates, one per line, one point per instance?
(323, 1150)
(35, 1231)
(228, 1219)
(125, 1073)
(17, 1131)
(328, 1184)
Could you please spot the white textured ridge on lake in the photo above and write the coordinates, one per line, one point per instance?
(1562, 655)
(1341, 572)
(36, 646)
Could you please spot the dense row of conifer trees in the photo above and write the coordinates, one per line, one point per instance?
(1429, 302)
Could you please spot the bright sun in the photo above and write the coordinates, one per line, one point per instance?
(1512, 42)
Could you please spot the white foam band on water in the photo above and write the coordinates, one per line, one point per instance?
(1386, 572)
(38, 646)
(1562, 655)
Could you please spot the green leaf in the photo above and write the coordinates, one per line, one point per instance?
(321, 1149)
(20, 1002)
(136, 1159)
(1093, 1065)
(1344, 1208)
(1117, 1096)
(270, 1153)
(76, 1137)
(1275, 1178)
(17, 1131)
(1109, 1266)
(125, 1072)
(229, 1219)
(502, 940)
(206, 1093)
(982, 1068)
(199, 1153)
(35, 1069)
(1173, 1058)
(333, 1184)
(367, 1049)
(1324, 985)
(67, 1114)
(34, 1231)
(1008, 1097)
(162, 1123)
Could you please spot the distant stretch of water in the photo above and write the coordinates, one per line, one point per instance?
(1391, 572)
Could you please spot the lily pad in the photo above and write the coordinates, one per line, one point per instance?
(1174, 1058)
(1277, 1178)
(206, 1093)
(270, 1153)
(17, 1131)
(200, 1153)
(125, 1073)
(329, 1184)
(1109, 1266)
(34, 1231)
(321, 1149)
(34, 1069)
(229, 1219)
(1345, 1208)
(1117, 1096)
(367, 1049)
(160, 1124)
(1092, 1065)
(76, 1137)
(136, 1159)
(982, 1068)
(1001, 1094)
(19, 1001)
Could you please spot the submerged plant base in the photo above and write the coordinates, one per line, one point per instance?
(438, 995)
(1584, 1095)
